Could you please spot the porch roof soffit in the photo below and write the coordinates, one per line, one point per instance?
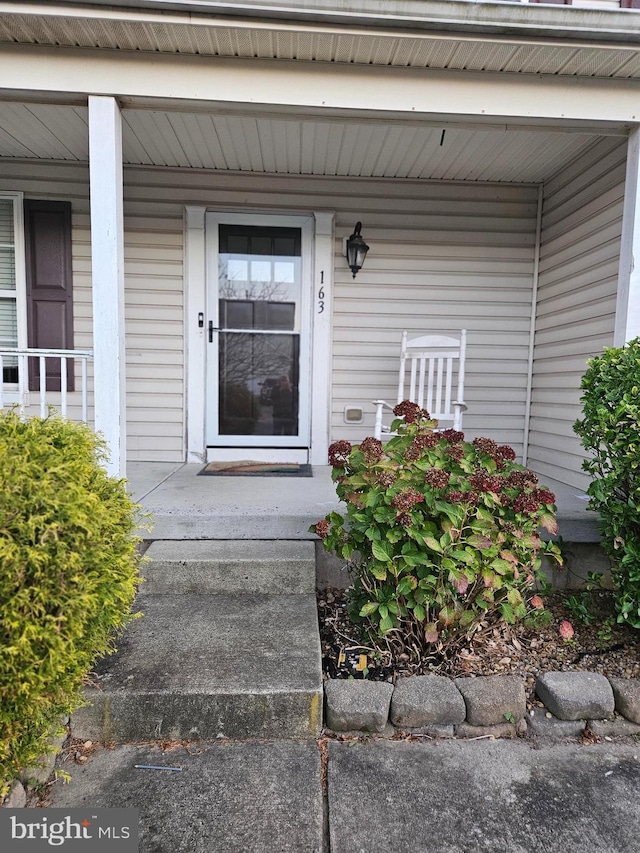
(513, 38)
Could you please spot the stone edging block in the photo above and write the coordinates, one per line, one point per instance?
(490, 705)
(426, 700)
(576, 695)
(626, 692)
(492, 700)
(357, 705)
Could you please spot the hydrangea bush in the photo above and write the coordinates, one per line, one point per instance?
(440, 533)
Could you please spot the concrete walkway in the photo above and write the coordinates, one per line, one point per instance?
(374, 796)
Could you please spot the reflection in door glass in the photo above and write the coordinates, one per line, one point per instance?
(259, 321)
(258, 384)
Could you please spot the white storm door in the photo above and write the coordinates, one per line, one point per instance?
(258, 330)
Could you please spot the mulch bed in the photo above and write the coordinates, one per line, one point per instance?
(494, 650)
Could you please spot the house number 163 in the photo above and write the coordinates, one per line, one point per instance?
(321, 294)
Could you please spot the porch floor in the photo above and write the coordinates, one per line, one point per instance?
(186, 506)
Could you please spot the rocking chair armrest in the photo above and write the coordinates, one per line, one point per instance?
(460, 405)
(379, 428)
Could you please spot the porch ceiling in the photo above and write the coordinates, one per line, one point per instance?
(293, 145)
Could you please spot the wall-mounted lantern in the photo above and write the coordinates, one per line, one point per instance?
(356, 250)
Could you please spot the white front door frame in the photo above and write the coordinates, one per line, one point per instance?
(195, 325)
(274, 443)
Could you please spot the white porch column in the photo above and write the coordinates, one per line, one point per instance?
(194, 330)
(321, 353)
(107, 270)
(628, 300)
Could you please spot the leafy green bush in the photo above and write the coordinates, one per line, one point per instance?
(610, 431)
(68, 576)
(441, 533)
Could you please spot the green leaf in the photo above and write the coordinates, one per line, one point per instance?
(386, 624)
(514, 598)
(432, 544)
(369, 608)
(501, 566)
(462, 556)
(507, 613)
(407, 585)
(382, 551)
(378, 571)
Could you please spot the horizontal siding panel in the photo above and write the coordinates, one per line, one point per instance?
(579, 224)
(593, 263)
(576, 479)
(443, 256)
(443, 290)
(581, 227)
(140, 453)
(586, 287)
(582, 247)
(605, 155)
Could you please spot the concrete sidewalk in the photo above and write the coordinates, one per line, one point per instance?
(376, 796)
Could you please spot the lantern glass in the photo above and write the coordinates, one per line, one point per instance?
(356, 250)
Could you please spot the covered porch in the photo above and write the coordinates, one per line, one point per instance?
(186, 506)
(501, 202)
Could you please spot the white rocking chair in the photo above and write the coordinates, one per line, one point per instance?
(434, 361)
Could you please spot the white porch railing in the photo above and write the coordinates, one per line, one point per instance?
(18, 392)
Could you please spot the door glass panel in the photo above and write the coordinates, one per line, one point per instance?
(258, 392)
(259, 338)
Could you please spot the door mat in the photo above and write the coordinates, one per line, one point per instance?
(256, 469)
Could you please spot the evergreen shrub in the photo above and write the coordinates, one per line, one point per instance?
(441, 534)
(68, 575)
(610, 431)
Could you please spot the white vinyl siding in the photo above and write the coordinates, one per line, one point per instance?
(444, 256)
(154, 304)
(580, 247)
(459, 257)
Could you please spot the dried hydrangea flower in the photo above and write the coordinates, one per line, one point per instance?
(411, 412)
(406, 499)
(339, 453)
(322, 528)
(452, 435)
(372, 449)
(437, 478)
(485, 445)
(566, 630)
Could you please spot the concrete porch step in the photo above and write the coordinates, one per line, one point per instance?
(198, 667)
(230, 567)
